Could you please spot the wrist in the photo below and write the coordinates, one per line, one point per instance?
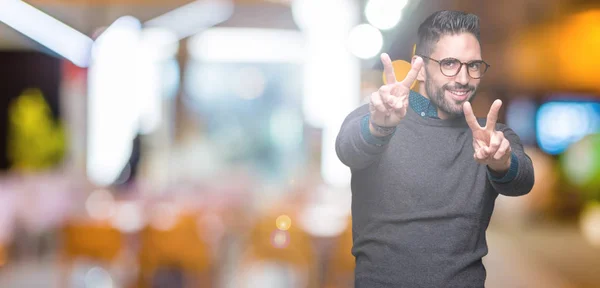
(380, 131)
(501, 168)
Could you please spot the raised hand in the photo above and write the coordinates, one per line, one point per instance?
(491, 147)
(390, 103)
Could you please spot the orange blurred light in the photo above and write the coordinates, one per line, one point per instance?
(283, 222)
(560, 55)
(401, 68)
(2, 256)
(577, 46)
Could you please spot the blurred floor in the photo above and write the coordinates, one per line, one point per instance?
(44, 273)
(539, 256)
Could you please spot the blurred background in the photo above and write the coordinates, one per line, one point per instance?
(191, 143)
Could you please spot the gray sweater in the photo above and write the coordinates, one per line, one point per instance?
(420, 203)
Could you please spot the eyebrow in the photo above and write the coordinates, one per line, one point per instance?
(473, 60)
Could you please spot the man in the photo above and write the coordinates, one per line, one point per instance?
(425, 171)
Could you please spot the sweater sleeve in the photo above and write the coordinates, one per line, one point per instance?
(355, 146)
(520, 178)
(508, 176)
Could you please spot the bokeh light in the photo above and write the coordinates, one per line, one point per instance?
(384, 14)
(100, 205)
(98, 278)
(280, 239)
(326, 213)
(561, 123)
(401, 68)
(128, 217)
(590, 223)
(283, 222)
(520, 117)
(164, 216)
(581, 164)
(365, 41)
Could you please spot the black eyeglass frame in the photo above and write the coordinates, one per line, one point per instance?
(486, 65)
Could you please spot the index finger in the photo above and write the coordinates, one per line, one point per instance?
(492, 116)
(470, 116)
(388, 69)
(412, 74)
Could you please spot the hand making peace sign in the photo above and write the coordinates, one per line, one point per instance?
(389, 104)
(491, 147)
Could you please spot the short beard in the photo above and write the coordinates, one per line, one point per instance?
(436, 96)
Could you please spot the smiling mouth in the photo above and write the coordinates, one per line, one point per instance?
(459, 95)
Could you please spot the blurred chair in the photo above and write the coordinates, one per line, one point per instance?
(178, 251)
(341, 264)
(275, 257)
(95, 240)
(92, 241)
(3, 255)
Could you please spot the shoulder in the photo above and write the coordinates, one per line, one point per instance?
(362, 110)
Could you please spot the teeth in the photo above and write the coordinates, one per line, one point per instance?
(461, 93)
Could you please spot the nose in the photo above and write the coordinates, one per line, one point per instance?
(463, 76)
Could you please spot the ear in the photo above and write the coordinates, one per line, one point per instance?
(421, 75)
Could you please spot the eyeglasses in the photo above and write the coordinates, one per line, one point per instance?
(450, 67)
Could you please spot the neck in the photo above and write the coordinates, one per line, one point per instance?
(444, 116)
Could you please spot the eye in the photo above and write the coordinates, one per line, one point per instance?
(449, 63)
(475, 65)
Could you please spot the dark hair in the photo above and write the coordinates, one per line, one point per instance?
(444, 23)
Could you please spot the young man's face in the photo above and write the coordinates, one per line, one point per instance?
(449, 93)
